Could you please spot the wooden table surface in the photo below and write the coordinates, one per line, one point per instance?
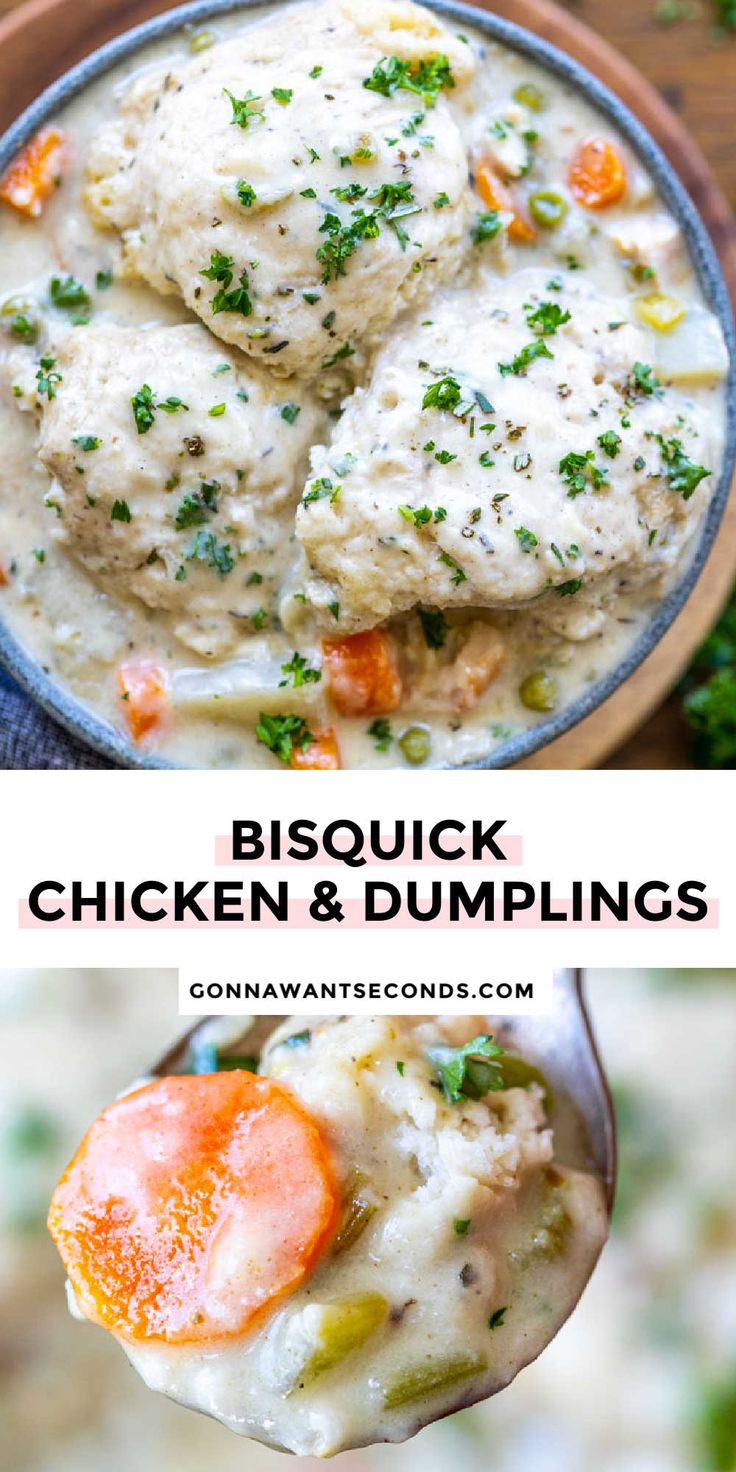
(695, 71)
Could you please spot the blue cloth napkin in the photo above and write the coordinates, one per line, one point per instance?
(30, 738)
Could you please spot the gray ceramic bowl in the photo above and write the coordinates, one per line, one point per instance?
(94, 732)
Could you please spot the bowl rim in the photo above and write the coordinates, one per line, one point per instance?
(92, 730)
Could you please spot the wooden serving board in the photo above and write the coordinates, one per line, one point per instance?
(40, 39)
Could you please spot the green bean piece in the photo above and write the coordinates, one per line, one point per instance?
(358, 1209)
(530, 96)
(538, 691)
(418, 1382)
(416, 744)
(344, 1326)
(20, 319)
(518, 1074)
(548, 208)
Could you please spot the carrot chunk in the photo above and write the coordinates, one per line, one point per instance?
(192, 1206)
(3, 577)
(596, 175)
(35, 173)
(321, 754)
(143, 692)
(496, 195)
(362, 673)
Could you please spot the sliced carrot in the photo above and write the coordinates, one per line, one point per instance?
(35, 173)
(497, 196)
(362, 673)
(322, 753)
(192, 1206)
(3, 577)
(596, 175)
(143, 692)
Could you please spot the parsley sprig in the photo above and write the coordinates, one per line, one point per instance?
(426, 78)
(468, 1072)
(221, 269)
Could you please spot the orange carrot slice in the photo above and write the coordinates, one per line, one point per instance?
(497, 196)
(596, 175)
(3, 577)
(143, 692)
(362, 673)
(322, 754)
(35, 173)
(192, 1206)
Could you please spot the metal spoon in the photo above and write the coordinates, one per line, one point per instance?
(562, 1045)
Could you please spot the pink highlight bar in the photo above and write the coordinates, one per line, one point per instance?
(354, 919)
(511, 843)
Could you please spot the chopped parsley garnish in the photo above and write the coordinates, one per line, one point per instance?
(47, 378)
(520, 363)
(197, 508)
(497, 1317)
(423, 514)
(221, 270)
(316, 72)
(86, 442)
(343, 241)
(243, 111)
(579, 471)
(334, 608)
(444, 457)
(290, 412)
(281, 734)
(566, 590)
(434, 627)
(441, 200)
(446, 394)
(217, 411)
(301, 672)
(308, 194)
(683, 475)
(320, 489)
(103, 280)
(610, 443)
(485, 460)
(546, 318)
(525, 538)
(425, 78)
(468, 1072)
(460, 1226)
(400, 1066)
(245, 192)
(144, 407)
(380, 730)
(121, 511)
(205, 548)
(67, 292)
(642, 381)
(458, 576)
(486, 226)
(282, 95)
(346, 351)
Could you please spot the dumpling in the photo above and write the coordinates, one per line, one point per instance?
(297, 184)
(504, 454)
(176, 469)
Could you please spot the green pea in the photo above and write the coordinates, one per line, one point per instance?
(530, 96)
(547, 208)
(20, 319)
(416, 745)
(538, 691)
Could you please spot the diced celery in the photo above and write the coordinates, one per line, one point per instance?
(551, 1230)
(418, 1382)
(358, 1208)
(518, 1074)
(338, 1329)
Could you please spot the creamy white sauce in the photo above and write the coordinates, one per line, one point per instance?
(80, 631)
